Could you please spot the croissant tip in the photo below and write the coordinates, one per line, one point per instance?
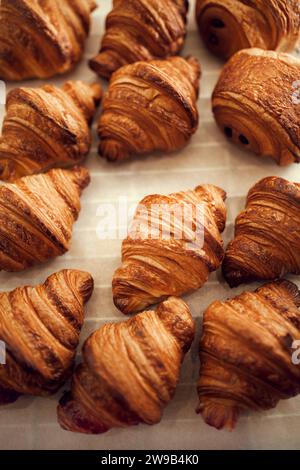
(97, 93)
(82, 176)
(289, 286)
(112, 150)
(8, 397)
(85, 284)
(72, 417)
(122, 304)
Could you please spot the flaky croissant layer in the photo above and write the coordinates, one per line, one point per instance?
(40, 328)
(246, 353)
(140, 30)
(42, 38)
(228, 26)
(37, 214)
(129, 372)
(46, 127)
(266, 244)
(255, 103)
(149, 106)
(185, 247)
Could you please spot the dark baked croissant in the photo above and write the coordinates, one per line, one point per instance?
(46, 127)
(42, 38)
(246, 353)
(36, 216)
(40, 328)
(129, 372)
(256, 104)
(149, 106)
(140, 30)
(228, 26)
(267, 234)
(173, 245)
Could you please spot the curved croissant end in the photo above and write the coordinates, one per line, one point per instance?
(42, 38)
(246, 353)
(149, 106)
(46, 127)
(137, 31)
(256, 104)
(227, 26)
(36, 216)
(40, 328)
(156, 262)
(267, 243)
(129, 372)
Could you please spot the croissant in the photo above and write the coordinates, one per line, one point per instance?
(173, 244)
(227, 26)
(267, 234)
(42, 38)
(255, 103)
(36, 216)
(140, 30)
(46, 127)
(246, 353)
(129, 372)
(40, 328)
(149, 106)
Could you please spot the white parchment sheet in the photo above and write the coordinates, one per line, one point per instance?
(31, 423)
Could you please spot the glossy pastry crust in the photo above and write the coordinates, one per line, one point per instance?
(138, 30)
(266, 244)
(227, 26)
(256, 104)
(46, 127)
(163, 256)
(42, 38)
(149, 106)
(37, 214)
(40, 328)
(246, 353)
(129, 372)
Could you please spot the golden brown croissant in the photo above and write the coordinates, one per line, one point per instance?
(267, 234)
(40, 328)
(140, 30)
(227, 26)
(173, 245)
(246, 353)
(36, 216)
(130, 370)
(150, 106)
(46, 127)
(42, 38)
(256, 104)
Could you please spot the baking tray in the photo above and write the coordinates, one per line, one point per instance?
(31, 423)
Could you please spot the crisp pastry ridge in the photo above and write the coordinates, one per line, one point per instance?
(40, 327)
(42, 38)
(130, 370)
(254, 103)
(154, 268)
(266, 244)
(246, 353)
(46, 127)
(149, 106)
(227, 26)
(139, 30)
(37, 214)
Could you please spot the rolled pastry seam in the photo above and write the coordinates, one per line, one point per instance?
(129, 372)
(247, 351)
